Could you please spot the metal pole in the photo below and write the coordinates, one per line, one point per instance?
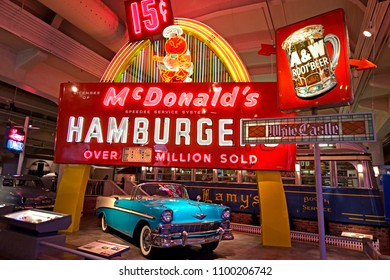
(21, 155)
(320, 199)
(320, 202)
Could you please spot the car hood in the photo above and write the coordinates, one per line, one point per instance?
(31, 192)
(186, 211)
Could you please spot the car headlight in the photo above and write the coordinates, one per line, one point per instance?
(167, 216)
(226, 214)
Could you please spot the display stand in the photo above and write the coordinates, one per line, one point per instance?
(6, 208)
(27, 228)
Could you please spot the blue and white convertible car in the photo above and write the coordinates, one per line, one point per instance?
(161, 215)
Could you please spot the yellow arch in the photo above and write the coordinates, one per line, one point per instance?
(121, 61)
(207, 35)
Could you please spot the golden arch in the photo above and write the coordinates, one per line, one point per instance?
(213, 40)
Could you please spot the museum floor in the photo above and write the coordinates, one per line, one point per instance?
(245, 246)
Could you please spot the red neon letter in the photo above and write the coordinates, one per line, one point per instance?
(136, 19)
(153, 97)
(112, 98)
(147, 11)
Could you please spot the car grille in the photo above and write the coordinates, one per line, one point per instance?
(46, 201)
(195, 227)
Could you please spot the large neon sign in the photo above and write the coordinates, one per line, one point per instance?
(167, 124)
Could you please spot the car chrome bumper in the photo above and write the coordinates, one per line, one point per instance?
(192, 238)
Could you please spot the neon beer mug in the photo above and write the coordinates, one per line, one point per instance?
(312, 69)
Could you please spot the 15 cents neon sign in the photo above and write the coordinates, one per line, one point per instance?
(147, 18)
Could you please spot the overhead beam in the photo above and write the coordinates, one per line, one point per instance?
(27, 58)
(47, 38)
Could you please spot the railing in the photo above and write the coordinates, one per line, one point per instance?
(103, 187)
(371, 248)
(373, 252)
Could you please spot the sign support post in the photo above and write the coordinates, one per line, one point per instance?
(275, 225)
(21, 155)
(320, 199)
(320, 202)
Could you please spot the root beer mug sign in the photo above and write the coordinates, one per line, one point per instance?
(313, 68)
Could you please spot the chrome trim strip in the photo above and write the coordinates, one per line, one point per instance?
(175, 234)
(135, 213)
(109, 202)
(165, 241)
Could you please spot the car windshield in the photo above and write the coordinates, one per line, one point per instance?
(170, 190)
(8, 183)
(22, 182)
(28, 183)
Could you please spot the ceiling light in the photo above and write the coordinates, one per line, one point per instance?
(74, 89)
(360, 168)
(376, 171)
(369, 31)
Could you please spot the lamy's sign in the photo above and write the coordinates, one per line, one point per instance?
(167, 124)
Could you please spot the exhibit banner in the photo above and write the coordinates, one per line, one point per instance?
(167, 124)
(313, 63)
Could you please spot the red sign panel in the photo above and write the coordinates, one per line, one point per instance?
(313, 63)
(167, 124)
(147, 18)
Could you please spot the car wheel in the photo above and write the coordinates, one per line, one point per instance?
(209, 247)
(145, 242)
(105, 226)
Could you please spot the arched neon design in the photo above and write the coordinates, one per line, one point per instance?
(121, 61)
(207, 35)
